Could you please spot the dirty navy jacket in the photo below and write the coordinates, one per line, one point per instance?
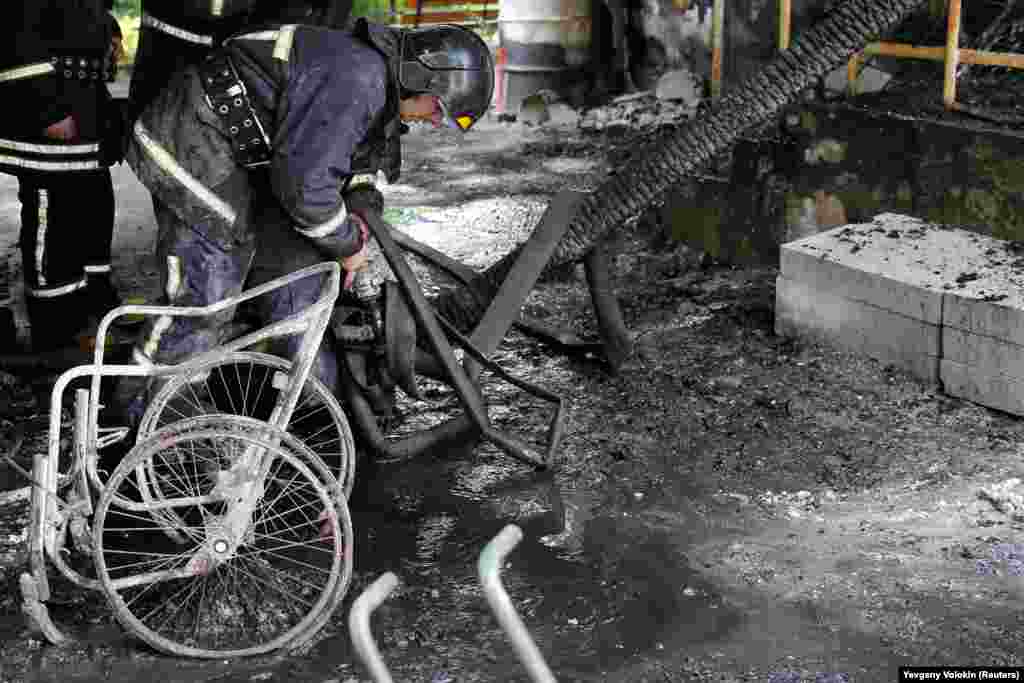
(53, 63)
(324, 97)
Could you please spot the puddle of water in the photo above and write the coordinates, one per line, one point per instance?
(594, 586)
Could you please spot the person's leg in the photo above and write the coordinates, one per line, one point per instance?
(279, 251)
(195, 272)
(96, 245)
(51, 221)
(199, 266)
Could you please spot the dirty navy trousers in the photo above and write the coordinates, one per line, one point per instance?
(207, 208)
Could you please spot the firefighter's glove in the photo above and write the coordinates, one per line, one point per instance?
(364, 197)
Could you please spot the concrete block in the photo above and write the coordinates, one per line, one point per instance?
(807, 311)
(1002, 392)
(875, 263)
(944, 304)
(989, 355)
(998, 319)
(905, 265)
(860, 284)
(887, 261)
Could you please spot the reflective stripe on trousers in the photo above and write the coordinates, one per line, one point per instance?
(67, 221)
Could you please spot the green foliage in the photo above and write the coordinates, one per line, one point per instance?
(128, 14)
(129, 8)
(129, 36)
(375, 10)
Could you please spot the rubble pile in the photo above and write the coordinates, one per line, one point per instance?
(642, 111)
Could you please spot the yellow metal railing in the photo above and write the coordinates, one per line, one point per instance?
(951, 54)
(407, 13)
(717, 31)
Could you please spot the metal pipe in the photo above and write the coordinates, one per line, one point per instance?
(952, 53)
(317, 313)
(536, 252)
(425, 318)
(1010, 60)
(359, 626)
(489, 570)
(852, 69)
(459, 429)
(617, 343)
(466, 275)
(460, 271)
(58, 360)
(458, 379)
(717, 30)
(785, 22)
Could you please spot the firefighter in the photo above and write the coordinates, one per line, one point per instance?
(174, 34)
(296, 110)
(59, 137)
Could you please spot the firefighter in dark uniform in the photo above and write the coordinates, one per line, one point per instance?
(174, 34)
(59, 136)
(296, 110)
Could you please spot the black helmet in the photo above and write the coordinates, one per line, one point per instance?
(452, 63)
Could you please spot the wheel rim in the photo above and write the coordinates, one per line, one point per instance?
(284, 576)
(244, 384)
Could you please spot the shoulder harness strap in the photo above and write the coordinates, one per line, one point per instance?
(227, 96)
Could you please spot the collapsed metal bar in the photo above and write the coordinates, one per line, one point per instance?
(557, 425)
(489, 570)
(785, 23)
(389, 451)
(464, 274)
(950, 54)
(359, 626)
(717, 41)
(616, 341)
(937, 54)
(456, 376)
(952, 60)
(489, 565)
(535, 254)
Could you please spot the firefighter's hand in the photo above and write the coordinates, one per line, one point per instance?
(65, 130)
(355, 263)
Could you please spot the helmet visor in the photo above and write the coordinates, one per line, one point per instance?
(446, 47)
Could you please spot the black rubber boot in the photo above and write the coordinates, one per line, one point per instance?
(102, 295)
(57, 323)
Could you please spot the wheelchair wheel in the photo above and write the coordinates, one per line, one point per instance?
(249, 384)
(222, 594)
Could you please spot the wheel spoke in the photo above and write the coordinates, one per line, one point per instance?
(277, 582)
(243, 384)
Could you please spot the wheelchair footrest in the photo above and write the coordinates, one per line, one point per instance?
(36, 613)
